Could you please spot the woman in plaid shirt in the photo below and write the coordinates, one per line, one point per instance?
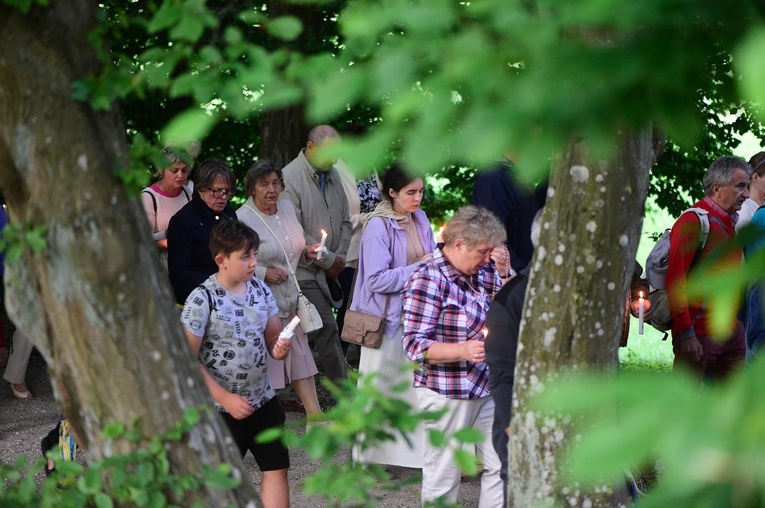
(445, 305)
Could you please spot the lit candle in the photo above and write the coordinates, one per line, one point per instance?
(322, 249)
(641, 312)
(289, 330)
(485, 332)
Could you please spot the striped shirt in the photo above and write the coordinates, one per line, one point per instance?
(441, 306)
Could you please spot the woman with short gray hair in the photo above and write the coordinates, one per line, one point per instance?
(445, 304)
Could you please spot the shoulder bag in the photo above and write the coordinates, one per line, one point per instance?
(310, 320)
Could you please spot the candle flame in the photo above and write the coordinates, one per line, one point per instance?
(485, 332)
(640, 294)
(323, 232)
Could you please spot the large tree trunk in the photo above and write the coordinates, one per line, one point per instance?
(95, 301)
(283, 133)
(574, 307)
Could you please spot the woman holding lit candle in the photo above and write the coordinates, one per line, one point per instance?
(281, 247)
(445, 303)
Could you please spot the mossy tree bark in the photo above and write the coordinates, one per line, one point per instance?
(574, 307)
(95, 301)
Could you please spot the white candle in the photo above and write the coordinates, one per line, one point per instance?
(289, 330)
(322, 249)
(641, 312)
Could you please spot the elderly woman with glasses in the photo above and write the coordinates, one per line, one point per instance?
(282, 245)
(445, 303)
(188, 233)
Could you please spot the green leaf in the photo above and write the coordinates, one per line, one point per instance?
(113, 430)
(748, 62)
(437, 438)
(190, 28)
(90, 482)
(191, 417)
(270, 435)
(103, 501)
(286, 27)
(189, 126)
(221, 478)
(252, 16)
(466, 461)
(166, 16)
(469, 435)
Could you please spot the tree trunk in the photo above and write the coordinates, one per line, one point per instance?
(283, 133)
(95, 301)
(574, 307)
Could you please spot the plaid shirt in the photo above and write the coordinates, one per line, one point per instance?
(440, 306)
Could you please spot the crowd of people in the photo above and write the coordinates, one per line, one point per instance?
(313, 229)
(450, 306)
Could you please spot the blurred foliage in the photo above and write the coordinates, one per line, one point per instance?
(708, 442)
(364, 416)
(676, 177)
(443, 84)
(16, 238)
(141, 477)
(452, 84)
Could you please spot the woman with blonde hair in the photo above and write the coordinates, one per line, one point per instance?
(168, 194)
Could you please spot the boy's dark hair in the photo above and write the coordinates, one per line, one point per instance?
(232, 235)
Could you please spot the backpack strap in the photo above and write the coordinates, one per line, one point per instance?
(210, 299)
(703, 216)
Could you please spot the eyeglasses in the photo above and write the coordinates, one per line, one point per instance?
(221, 193)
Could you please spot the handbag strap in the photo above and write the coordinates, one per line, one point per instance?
(286, 257)
(353, 287)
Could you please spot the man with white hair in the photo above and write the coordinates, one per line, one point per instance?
(693, 342)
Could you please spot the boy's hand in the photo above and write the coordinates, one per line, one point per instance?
(237, 406)
(281, 349)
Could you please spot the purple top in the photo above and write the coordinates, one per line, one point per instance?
(382, 269)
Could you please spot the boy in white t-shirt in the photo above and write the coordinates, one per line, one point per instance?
(231, 322)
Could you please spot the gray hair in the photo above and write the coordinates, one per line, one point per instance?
(721, 172)
(474, 225)
(258, 171)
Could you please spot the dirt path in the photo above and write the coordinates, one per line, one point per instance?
(23, 423)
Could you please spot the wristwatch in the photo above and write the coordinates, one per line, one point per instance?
(508, 275)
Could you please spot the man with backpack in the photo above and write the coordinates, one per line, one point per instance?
(726, 188)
